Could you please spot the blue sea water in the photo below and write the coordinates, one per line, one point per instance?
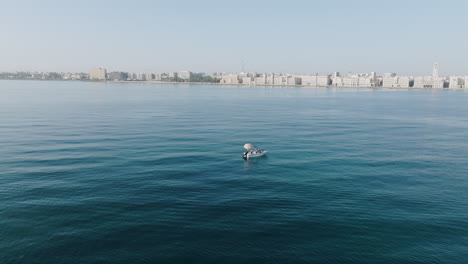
(153, 173)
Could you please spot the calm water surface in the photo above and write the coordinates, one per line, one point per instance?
(148, 173)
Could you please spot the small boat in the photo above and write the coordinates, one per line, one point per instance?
(253, 152)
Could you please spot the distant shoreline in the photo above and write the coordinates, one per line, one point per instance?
(246, 85)
(286, 86)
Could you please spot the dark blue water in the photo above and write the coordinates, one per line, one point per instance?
(147, 173)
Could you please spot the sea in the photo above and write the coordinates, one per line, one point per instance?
(108, 172)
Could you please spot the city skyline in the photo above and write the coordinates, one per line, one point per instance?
(336, 79)
(208, 36)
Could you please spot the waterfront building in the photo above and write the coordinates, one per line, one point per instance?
(366, 82)
(172, 75)
(404, 82)
(434, 81)
(141, 76)
(70, 76)
(337, 80)
(247, 80)
(438, 83)
(118, 76)
(389, 82)
(435, 71)
(456, 82)
(357, 80)
(229, 79)
(316, 80)
(260, 80)
(350, 81)
(309, 80)
(323, 80)
(270, 79)
(396, 82)
(389, 75)
(423, 82)
(280, 80)
(294, 80)
(98, 74)
(149, 76)
(157, 76)
(184, 75)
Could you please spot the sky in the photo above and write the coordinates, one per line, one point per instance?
(297, 36)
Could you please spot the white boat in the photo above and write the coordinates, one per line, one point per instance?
(253, 152)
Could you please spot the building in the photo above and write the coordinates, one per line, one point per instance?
(260, 80)
(435, 71)
(184, 75)
(157, 76)
(229, 79)
(247, 80)
(404, 82)
(316, 80)
(337, 80)
(423, 82)
(294, 80)
(98, 74)
(309, 80)
(118, 76)
(350, 81)
(434, 81)
(393, 81)
(148, 76)
(280, 80)
(172, 76)
(141, 76)
(323, 80)
(456, 82)
(357, 80)
(270, 79)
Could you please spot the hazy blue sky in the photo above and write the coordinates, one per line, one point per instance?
(291, 36)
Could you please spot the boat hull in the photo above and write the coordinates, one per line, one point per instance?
(251, 155)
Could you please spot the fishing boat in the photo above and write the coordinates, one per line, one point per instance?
(253, 152)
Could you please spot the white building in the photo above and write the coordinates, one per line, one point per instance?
(281, 80)
(157, 76)
(184, 75)
(423, 82)
(435, 71)
(150, 77)
(98, 74)
(270, 79)
(260, 80)
(294, 80)
(404, 81)
(309, 80)
(316, 80)
(229, 79)
(392, 81)
(456, 82)
(358, 80)
(323, 80)
(172, 75)
(248, 80)
(141, 76)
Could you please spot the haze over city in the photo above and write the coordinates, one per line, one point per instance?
(213, 36)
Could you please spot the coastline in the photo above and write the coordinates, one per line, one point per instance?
(289, 86)
(248, 85)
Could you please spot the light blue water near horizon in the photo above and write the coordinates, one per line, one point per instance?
(151, 173)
